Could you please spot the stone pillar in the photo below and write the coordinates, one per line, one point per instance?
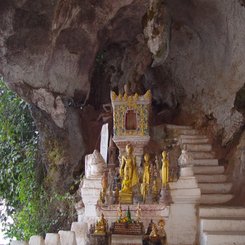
(67, 238)
(52, 239)
(181, 227)
(80, 230)
(36, 240)
(90, 195)
(18, 243)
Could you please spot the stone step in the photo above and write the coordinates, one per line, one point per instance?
(222, 224)
(197, 147)
(202, 155)
(187, 132)
(214, 178)
(221, 211)
(223, 238)
(211, 188)
(173, 126)
(197, 136)
(206, 162)
(215, 198)
(208, 169)
(193, 140)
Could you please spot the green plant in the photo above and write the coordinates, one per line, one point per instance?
(33, 209)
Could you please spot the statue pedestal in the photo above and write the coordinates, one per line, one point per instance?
(153, 212)
(125, 198)
(90, 195)
(182, 226)
(126, 239)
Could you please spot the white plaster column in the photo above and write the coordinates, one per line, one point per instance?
(80, 230)
(36, 240)
(67, 238)
(52, 239)
(18, 243)
(90, 192)
(181, 227)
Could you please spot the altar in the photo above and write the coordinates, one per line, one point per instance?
(138, 201)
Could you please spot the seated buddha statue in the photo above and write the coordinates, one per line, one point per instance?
(154, 232)
(126, 185)
(101, 225)
(128, 171)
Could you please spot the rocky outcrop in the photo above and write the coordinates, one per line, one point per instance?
(62, 55)
(206, 59)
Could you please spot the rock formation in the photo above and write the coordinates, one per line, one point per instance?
(62, 56)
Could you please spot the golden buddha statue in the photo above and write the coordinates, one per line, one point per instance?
(146, 176)
(101, 226)
(155, 191)
(161, 230)
(128, 174)
(126, 184)
(119, 213)
(165, 169)
(104, 182)
(154, 232)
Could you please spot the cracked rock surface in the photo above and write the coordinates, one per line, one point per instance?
(63, 55)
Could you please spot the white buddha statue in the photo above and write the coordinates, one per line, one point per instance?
(94, 165)
(185, 158)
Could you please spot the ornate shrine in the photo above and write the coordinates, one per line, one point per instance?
(122, 201)
(131, 121)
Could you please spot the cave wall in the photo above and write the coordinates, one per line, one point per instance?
(47, 53)
(207, 59)
(62, 55)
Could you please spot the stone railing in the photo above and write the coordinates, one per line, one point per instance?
(74, 237)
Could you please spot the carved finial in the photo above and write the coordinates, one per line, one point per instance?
(148, 95)
(113, 96)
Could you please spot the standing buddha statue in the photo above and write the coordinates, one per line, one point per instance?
(165, 169)
(128, 175)
(146, 176)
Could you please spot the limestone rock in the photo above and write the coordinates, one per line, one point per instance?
(212, 75)
(53, 106)
(157, 31)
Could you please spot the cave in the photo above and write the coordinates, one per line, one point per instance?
(65, 58)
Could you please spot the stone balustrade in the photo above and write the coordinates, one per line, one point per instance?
(60, 238)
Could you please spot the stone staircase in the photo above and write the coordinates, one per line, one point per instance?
(222, 225)
(218, 225)
(214, 185)
(73, 237)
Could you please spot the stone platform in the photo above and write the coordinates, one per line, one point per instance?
(153, 212)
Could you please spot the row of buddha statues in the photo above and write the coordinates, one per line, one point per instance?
(153, 232)
(133, 184)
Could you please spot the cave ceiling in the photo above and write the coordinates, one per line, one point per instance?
(189, 53)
